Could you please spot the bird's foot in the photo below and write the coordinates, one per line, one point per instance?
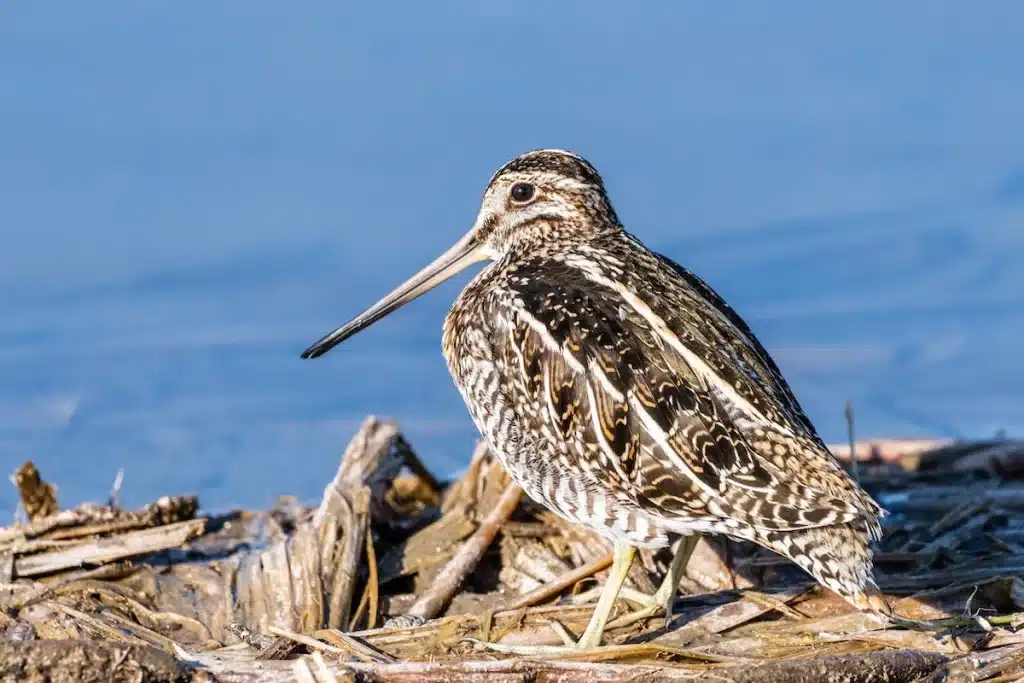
(586, 642)
(651, 609)
(650, 605)
(625, 593)
(591, 639)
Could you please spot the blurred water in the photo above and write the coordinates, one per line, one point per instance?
(188, 198)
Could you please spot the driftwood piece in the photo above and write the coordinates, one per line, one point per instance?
(467, 557)
(728, 616)
(585, 545)
(104, 550)
(898, 666)
(356, 521)
(893, 666)
(307, 580)
(1005, 664)
(710, 570)
(529, 563)
(562, 583)
(272, 584)
(373, 458)
(427, 548)
(38, 498)
(426, 552)
(78, 661)
(89, 520)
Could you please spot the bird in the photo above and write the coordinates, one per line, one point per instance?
(620, 391)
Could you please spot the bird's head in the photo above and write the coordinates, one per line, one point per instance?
(539, 199)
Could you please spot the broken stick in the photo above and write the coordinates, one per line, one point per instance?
(466, 559)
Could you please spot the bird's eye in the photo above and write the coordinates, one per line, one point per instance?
(522, 193)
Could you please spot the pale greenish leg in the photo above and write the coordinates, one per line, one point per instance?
(622, 558)
(663, 598)
(667, 591)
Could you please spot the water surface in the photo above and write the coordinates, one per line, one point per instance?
(188, 198)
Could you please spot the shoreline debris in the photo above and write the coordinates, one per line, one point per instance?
(396, 576)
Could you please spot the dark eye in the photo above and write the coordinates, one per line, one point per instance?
(522, 193)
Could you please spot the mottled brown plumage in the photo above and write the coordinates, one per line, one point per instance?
(619, 390)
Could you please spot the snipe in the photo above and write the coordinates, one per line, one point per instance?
(620, 391)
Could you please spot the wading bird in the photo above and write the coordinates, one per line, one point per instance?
(621, 392)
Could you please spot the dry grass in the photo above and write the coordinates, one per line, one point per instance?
(297, 593)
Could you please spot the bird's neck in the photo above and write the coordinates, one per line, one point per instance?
(561, 238)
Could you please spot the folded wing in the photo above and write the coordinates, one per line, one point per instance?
(649, 409)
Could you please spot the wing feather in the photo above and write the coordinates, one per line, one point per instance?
(640, 421)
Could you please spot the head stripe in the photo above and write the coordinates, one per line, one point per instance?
(558, 161)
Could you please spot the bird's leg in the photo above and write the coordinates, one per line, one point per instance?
(666, 594)
(664, 597)
(622, 558)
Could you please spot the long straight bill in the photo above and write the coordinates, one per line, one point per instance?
(465, 253)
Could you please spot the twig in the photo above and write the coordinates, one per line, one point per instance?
(371, 593)
(771, 602)
(97, 626)
(854, 466)
(357, 647)
(566, 580)
(308, 641)
(968, 620)
(467, 557)
(611, 653)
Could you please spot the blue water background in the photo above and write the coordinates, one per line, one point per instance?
(190, 193)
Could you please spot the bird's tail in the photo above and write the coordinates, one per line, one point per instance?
(839, 557)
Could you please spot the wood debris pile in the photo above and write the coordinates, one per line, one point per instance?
(396, 576)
